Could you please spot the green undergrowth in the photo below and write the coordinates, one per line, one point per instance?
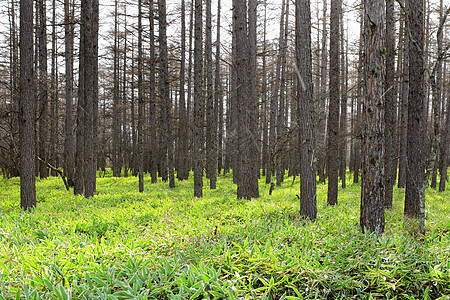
(166, 244)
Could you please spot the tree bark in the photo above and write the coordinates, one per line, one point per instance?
(415, 193)
(372, 197)
(333, 110)
(69, 150)
(389, 111)
(308, 199)
(27, 108)
(198, 103)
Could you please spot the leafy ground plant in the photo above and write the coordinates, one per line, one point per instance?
(166, 244)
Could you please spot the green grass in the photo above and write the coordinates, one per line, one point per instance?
(163, 244)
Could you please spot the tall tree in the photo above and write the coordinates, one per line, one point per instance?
(116, 155)
(372, 197)
(69, 150)
(321, 114)
(198, 103)
(218, 105)
(183, 154)
(53, 149)
(247, 183)
(167, 144)
(152, 92)
(140, 130)
(415, 197)
(27, 108)
(43, 90)
(333, 109)
(308, 200)
(274, 103)
(211, 149)
(89, 34)
(389, 111)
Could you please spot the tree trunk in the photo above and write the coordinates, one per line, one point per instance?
(27, 108)
(167, 145)
(198, 103)
(308, 200)
(140, 146)
(415, 193)
(69, 151)
(389, 111)
(322, 118)
(372, 198)
(154, 151)
(211, 151)
(333, 110)
(43, 90)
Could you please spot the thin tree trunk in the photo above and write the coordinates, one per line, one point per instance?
(333, 110)
(414, 197)
(27, 108)
(43, 90)
(152, 94)
(198, 103)
(308, 200)
(389, 111)
(183, 128)
(140, 146)
(372, 198)
(167, 144)
(211, 150)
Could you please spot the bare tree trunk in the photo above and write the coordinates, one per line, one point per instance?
(125, 148)
(358, 125)
(183, 127)
(281, 120)
(116, 155)
(274, 104)
(404, 113)
(322, 118)
(218, 99)
(372, 198)
(389, 111)
(333, 110)
(211, 150)
(140, 146)
(343, 116)
(152, 92)
(27, 108)
(252, 105)
(265, 127)
(43, 90)
(53, 157)
(415, 198)
(89, 29)
(198, 103)
(308, 199)
(166, 142)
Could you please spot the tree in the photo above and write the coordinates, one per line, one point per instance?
(198, 103)
(247, 180)
(333, 109)
(211, 145)
(389, 111)
(43, 89)
(27, 108)
(69, 150)
(308, 200)
(372, 197)
(415, 193)
(183, 154)
(140, 146)
(321, 114)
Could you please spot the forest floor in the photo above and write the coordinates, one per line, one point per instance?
(166, 244)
